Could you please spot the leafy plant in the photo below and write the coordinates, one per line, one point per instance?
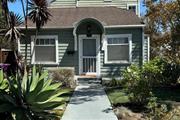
(3, 82)
(32, 97)
(139, 81)
(159, 111)
(114, 83)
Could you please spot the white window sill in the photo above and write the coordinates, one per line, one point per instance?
(46, 63)
(117, 62)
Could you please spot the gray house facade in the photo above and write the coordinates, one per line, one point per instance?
(96, 40)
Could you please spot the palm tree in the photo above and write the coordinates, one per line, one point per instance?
(12, 33)
(5, 9)
(39, 14)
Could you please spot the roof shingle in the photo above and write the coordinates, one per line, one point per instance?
(108, 16)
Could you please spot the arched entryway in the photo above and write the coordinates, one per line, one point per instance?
(89, 33)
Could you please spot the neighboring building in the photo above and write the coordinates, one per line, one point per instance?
(93, 37)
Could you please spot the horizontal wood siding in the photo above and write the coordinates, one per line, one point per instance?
(115, 70)
(63, 3)
(94, 3)
(65, 44)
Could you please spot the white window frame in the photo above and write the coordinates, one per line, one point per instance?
(129, 36)
(128, 5)
(107, 0)
(56, 49)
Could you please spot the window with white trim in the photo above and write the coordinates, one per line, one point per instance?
(46, 50)
(118, 49)
(132, 8)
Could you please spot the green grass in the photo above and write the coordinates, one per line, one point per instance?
(117, 96)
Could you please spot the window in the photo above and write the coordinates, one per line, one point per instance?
(118, 49)
(45, 50)
(132, 8)
(107, 0)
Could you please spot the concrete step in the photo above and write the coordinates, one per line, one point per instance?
(88, 81)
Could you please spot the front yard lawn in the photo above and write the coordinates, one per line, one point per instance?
(170, 94)
(117, 96)
(119, 100)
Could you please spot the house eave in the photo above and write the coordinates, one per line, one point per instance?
(107, 26)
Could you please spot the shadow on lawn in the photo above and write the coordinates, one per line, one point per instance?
(137, 108)
(171, 93)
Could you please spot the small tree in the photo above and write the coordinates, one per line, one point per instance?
(163, 25)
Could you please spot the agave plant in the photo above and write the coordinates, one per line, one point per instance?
(31, 98)
(3, 82)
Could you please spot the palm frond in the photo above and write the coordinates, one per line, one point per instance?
(39, 12)
(12, 33)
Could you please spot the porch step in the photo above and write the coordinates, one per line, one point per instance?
(88, 80)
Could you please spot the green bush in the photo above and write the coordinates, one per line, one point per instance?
(138, 89)
(114, 83)
(171, 73)
(139, 81)
(160, 111)
(64, 76)
(31, 97)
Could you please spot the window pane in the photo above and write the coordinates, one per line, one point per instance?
(51, 41)
(46, 41)
(37, 42)
(45, 54)
(133, 8)
(118, 52)
(89, 47)
(41, 41)
(118, 40)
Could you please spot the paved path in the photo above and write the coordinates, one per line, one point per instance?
(89, 102)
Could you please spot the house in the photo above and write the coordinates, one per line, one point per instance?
(96, 37)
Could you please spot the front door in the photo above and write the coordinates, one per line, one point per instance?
(89, 60)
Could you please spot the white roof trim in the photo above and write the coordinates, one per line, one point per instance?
(124, 26)
(106, 26)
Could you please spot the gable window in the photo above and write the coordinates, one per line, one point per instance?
(118, 49)
(45, 50)
(132, 8)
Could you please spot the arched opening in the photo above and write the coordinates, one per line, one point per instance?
(89, 34)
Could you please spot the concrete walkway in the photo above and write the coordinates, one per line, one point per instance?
(89, 102)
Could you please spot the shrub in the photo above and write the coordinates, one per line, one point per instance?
(137, 89)
(171, 73)
(114, 83)
(64, 76)
(161, 111)
(139, 81)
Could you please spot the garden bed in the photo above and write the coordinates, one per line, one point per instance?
(128, 110)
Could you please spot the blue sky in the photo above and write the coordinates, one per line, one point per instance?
(17, 8)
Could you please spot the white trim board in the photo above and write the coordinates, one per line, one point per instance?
(56, 49)
(106, 26)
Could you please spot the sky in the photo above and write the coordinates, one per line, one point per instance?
(17, 8)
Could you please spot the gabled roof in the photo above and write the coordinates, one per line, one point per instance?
(108, 16)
